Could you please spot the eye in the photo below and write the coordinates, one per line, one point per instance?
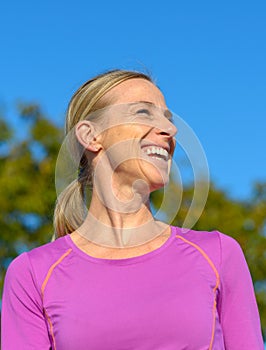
(143, 111)
(169, 116)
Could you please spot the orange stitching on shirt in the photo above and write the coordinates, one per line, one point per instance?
(214, 289)
(43, 288)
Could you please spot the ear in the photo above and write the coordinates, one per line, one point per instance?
(86, 135)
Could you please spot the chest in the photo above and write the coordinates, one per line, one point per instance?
(158, 308)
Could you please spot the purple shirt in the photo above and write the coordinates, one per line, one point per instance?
(195, 292)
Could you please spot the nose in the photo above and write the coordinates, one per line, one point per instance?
(165, 127)
(166, 132)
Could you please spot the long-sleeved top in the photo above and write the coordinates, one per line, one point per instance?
(194, 292)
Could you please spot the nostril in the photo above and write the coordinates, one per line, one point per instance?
(168, 131)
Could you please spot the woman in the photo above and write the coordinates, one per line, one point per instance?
(116, 278)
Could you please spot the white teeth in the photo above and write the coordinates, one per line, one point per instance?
(157, 150)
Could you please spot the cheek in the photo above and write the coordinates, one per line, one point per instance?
(127, 132)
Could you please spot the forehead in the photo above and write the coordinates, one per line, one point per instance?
(134, 90)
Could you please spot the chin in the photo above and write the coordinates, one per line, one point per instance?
(157, 182)
(158, 176)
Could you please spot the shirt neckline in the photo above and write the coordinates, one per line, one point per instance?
(123, 261)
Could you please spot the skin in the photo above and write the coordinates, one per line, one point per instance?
(128, 206)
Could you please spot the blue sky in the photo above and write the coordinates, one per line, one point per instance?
(208, 58)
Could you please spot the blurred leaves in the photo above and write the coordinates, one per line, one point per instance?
(27, 183)
(5, 131)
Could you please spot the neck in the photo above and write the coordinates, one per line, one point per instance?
(121, 205)
(120, 217)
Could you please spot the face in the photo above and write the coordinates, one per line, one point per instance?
(139, 141)
(134, 137)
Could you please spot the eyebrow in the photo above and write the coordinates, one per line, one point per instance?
(167, 113)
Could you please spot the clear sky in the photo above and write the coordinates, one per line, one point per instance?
(208, 57)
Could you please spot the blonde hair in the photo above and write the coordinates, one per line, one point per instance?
(70, 207)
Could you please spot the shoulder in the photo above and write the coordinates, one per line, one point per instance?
(32, 266)
(209, 239)
(221, 248)
(49, 252)
(197, 236)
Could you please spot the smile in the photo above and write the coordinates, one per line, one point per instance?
(157, 152)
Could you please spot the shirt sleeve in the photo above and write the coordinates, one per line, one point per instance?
(237, 306)
(23, 323)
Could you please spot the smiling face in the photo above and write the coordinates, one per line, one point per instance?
(139, 139)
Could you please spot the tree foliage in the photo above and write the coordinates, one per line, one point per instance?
(27, 183)
(28, 197)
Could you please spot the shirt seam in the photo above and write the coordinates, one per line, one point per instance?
(115, 262)
(217, 275)
(44, 284)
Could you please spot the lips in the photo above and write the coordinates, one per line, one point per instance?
(156, 152)
(164, 145)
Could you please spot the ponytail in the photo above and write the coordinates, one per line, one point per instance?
(69, 211)
(70, 208)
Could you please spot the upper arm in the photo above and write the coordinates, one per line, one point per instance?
(237, 306)
(23, 322)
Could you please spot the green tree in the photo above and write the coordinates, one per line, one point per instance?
(27, 184)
